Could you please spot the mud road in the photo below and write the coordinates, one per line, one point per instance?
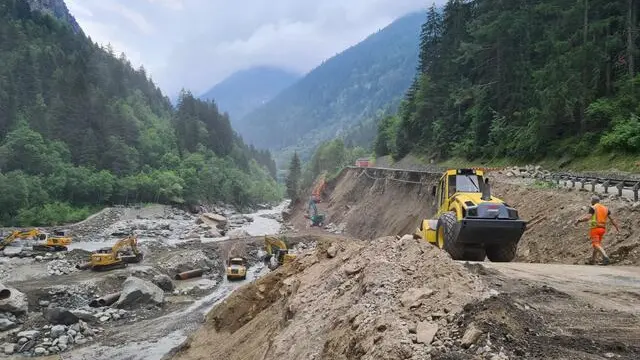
(578, 311)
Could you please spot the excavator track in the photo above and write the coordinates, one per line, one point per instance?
(49, 248)
(120, 265)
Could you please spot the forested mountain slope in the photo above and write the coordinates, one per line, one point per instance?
(80, 127)
(58, 9)
(344, 90)
(246, 90)
(532, 79)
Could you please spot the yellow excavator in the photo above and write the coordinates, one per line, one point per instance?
(277, 252)
(45, 242)
(117, 256)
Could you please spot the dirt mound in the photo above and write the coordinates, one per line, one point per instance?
(551, 236)
(384, 299)
(368, 205)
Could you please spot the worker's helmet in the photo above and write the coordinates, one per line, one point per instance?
(595, 199)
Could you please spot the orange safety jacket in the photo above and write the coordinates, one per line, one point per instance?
(599, 217)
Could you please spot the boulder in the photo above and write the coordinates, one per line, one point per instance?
(58, 330)
(6, 324)
(213, 233)
(16, 302)
(85, 315)
(9, 349)
(164, 282)
(215, 217)
(426, 331)
(136, 291)
(414, 296)
(238, 234)
(61, 316)
(30, 334)
(10, 251)
(332, 251)
(470, 336)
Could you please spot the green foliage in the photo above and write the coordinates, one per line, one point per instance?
(81, 129)
(522, 80)
(385, 142)
(293, 179)
(53, 214)
(342, 92)
(331, 157)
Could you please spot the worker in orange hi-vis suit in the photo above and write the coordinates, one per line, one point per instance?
(597, 217)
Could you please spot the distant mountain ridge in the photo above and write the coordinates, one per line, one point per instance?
(246, 90)
(58, 9)
(340, 93)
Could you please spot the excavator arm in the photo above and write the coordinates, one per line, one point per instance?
(312, 206)
(277, 248)
(9, 239)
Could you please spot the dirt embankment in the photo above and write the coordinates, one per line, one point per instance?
(392, 298)
(551, 236)
(347, 299)
(367, 206)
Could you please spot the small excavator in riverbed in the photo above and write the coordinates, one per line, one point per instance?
(41, 241)
(115, 257)
(277, 252)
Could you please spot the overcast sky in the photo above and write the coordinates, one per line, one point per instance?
(196, 43)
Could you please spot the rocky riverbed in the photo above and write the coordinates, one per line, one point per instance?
(50, 307)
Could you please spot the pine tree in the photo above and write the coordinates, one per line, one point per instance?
(293, 179)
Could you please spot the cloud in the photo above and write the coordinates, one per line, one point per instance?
(194, 44)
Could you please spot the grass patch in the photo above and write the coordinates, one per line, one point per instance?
(54, 214)
(608, 162)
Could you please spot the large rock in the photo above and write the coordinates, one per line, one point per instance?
(58, 330)
(136, 291)
(85, 315)
(10, 251)
(6, 324)
(164, 282)
(216, 220)
(414, 296)
(215, 217)
(16, 302)
(60, 316)
(426, 331)
(238, 234)
(471, 335)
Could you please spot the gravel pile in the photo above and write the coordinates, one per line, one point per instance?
(385, 299)
(60, 267)
(50, 339)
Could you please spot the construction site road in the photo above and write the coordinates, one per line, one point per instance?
(593, 308)
(613, 288)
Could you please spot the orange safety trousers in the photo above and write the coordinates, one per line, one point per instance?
(596, 235)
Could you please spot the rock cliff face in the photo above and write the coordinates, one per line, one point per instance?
(58, 9)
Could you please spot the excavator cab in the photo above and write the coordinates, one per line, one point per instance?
(277, 252)
(117, 256)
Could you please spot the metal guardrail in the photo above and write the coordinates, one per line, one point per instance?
(582, 180)
(593, 181)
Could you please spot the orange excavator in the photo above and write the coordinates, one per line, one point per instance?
(319, 187)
